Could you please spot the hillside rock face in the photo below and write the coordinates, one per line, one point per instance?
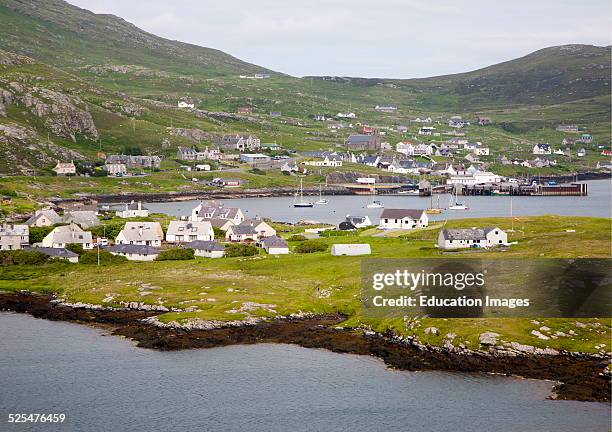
(12, 59)
(22, 152)
(192, 134)
(65, 115)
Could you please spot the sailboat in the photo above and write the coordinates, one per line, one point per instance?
(301, 203)
(373, 203)
(432, 209)
(321, 201)
(456, 205)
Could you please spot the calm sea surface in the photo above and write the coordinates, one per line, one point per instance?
(104, 383)
(597, 203)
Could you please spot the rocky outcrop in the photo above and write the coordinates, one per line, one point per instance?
(22, 152)
(192, 134)
(12, 59)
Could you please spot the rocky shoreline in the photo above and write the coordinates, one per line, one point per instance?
(581, 377)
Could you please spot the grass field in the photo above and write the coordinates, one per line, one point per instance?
(318, 283)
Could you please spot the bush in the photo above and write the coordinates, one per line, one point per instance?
(19, 257)
(176, 254)
(257, 171)
(37, 234)
(219, 233)
(109, 230)
(240, 250)
(297, 238)
(77, 248)
(106, 258)
(310, 246)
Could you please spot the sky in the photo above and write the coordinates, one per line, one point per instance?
(370, 38)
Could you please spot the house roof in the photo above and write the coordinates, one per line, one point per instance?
(49, 213)
(208, 246)
(274, 241)
(134, 249)
(84, 218)
(142, 231)
(359, 139)
(178, 227)
(356, 219)
(401, 213)
(242, 229)
(467, 233)
(14, 230)
(53, 252)
(134, 206)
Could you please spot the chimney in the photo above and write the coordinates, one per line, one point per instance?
(140, 230)
(139, 205)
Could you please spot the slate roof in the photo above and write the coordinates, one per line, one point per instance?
(49, 213)
(401, 213)
(243, 229)
(188, 227)
(70, 234)
(208, 246)
(274, 241)
(467, 233)
(53, 252)
(134, 249)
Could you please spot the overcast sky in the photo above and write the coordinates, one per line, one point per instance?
(370, 38)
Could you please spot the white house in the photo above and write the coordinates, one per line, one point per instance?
(581, 153)
(254, 158)
(262, 228)
(542, 149)
(64, 235)
(14, 237)
(187, 231)
(214, 210)
(207, 249)
(359, 221)
(275, 245)
(473, 178)
(67, 168)
(141, 233)
(133, 209)
(354, 249)
(116, 169)
(403, 219)
(45, 217)
(183, 104)
(240, 233)
(426, 130)
(346, 115)
(328, 161)
(135, 252)
(410, 149)
(481, 150)
(472, 238)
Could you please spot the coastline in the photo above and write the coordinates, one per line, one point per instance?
(581, 377)
(280, 191)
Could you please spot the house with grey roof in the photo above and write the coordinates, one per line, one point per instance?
(85, 219)
(13, 237)
(186, 154)
(450, 239)
(133, 209)
(359, 221)
(240, 233)
(135, 252)
(215, 210)
(363, 142)
(262, 228)
(207, 249)
(64, 235)
(141, 233)
(180, 231)
(275, 245)
(45, 217)
(58, 253)
(403, 219)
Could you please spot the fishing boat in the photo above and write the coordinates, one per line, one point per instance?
(456, 205)
(373, 203)
(321, 201)
(497, 192)
(409, 192)
(301, 202)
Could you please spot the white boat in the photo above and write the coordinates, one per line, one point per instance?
(321, 201)
(301, 202)
(409, 192)
(372, 203)
(456, 205)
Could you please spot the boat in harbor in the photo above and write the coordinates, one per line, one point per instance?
(432, 209)
(301, 203)
(497, 192)
(321, 200)
(373, 203)
(456, 205)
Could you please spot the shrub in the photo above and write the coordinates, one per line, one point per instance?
(219, 233)
(77, 248)
(175, 254)
(19, 257)
(257, 171)
(108, 230)
(37, 234)
(106, 258)
(310, 246)
(297, 238)
(240, 250)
